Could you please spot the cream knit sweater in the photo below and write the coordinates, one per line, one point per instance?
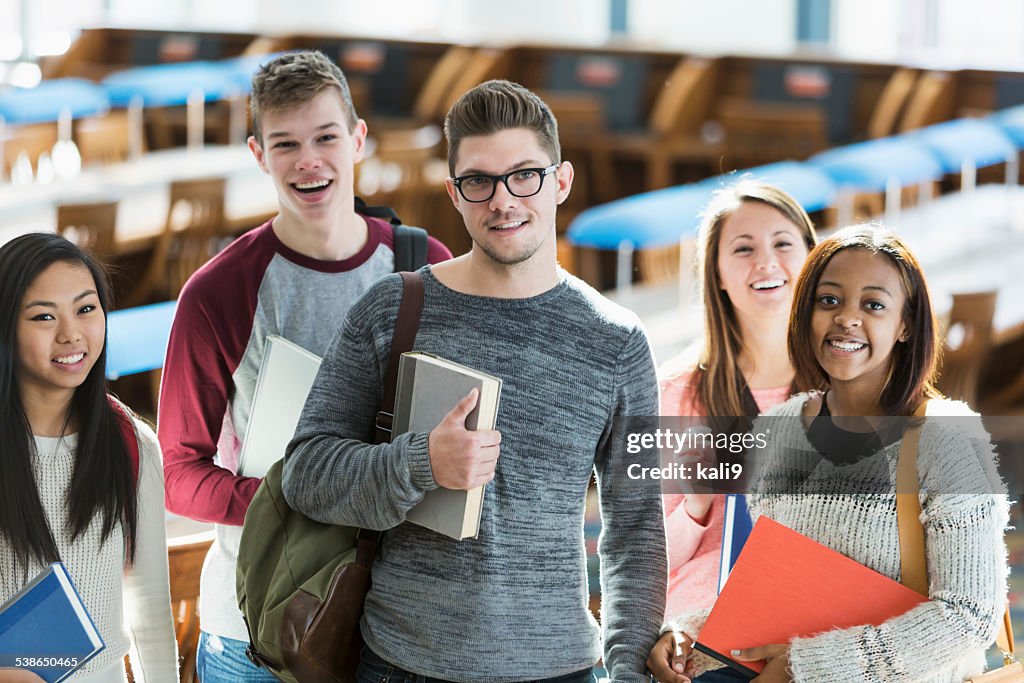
(113, 595)
(944, 639)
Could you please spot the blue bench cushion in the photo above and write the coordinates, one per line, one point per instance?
(809, 185)
(651, 219)
(954, 142)
(869, 166)
(663, 217)
(1011, 121)
(45, 101)
(166, 85)
(137, 338)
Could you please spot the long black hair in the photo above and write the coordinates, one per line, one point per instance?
(103, 481)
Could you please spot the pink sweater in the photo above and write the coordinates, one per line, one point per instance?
(693, 548)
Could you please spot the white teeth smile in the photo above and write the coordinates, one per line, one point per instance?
(847, 346)
(507, 226)
(312, 185)
(69, 360)
(768, 284)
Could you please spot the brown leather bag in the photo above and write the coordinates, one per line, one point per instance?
(913, 561)
(301, 584)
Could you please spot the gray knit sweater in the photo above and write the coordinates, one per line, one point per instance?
(942, 640)
(512, 604)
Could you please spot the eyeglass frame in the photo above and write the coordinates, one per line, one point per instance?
(544, 172)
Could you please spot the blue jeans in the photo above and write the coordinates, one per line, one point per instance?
(373, 669)
(223, 660)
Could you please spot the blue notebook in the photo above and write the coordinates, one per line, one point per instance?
(46, 629)
(735, 530)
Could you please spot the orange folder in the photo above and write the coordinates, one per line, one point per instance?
(785, 585)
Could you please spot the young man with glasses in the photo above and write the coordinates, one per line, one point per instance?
(295, 276)
(511, 604)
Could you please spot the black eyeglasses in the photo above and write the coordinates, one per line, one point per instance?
(522, 182)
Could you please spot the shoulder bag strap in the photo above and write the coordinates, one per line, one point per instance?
(406, 325)
(913, 561)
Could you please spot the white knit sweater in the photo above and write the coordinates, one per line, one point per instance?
(942, 640)
(139, 594)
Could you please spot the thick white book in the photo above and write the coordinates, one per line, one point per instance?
(428, 388)
(286, 375)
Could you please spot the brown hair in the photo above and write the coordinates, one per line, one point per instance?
(718, 382)
(913, 368)
(495, 106)
(293, 79)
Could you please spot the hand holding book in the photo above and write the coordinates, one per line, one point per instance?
(19, 676)
(457, 407)
(669, 660)
(776, 659)
(461, 458)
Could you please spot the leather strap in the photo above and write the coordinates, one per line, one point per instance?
(913, 572)
(406, 326)
(913, 561)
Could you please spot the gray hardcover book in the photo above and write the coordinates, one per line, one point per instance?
(286, 375)
(428, 388)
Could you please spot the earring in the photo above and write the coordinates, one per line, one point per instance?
(905, 336)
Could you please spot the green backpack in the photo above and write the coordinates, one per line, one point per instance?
(301, 584)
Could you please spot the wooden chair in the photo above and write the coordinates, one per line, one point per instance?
(429, 106)
(1001, 385)
(933, 100)
(33, 139)
(891, 103)
(763, 132)
(185, 558)
(401, 172)
(484, 64)
(566, 255)
(970, 322)
(104, 139)
(195, 216)
(90, 226)
(581, 121)
(673, 130)
(673, 263)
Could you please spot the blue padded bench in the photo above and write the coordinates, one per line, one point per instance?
(809, 185)
(884, 165)
(45, 102)
(964, 145)
(137, 338)
(166, 85)
(1011, 121)
(662, 218)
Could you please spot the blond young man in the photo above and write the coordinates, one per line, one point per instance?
(295, 276)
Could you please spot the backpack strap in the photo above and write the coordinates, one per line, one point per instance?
(410, 248)
(131, 439)
(406, 326)
(383, 212)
